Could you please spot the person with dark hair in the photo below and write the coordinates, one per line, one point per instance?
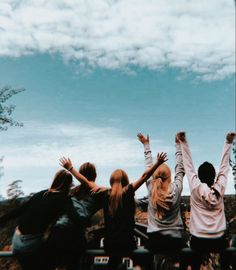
(67, 240)
(207, 173)
(207, 218)
(35, 218)
(165, 225)
(119, 208)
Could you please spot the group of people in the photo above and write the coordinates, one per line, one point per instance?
(51, 225)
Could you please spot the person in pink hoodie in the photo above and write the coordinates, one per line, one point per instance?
(207, 218)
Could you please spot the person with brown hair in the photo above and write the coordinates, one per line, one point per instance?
(165, 226)
(119, 208)
(67, 240)
(35, 217)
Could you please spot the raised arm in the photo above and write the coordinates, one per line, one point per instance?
(179, 166)
(67, 164)
(161, 158)
(221, 181)
(188, 162)
(147, 151)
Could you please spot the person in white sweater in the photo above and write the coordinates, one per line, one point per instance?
(207, 218)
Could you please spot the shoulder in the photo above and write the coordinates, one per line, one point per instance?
(129, 190)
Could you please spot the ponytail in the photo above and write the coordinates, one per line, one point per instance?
(115, 198)
(118, 180)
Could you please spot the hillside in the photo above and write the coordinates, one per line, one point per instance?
(141, 217)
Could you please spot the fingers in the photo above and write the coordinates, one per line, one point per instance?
(230, 137)
(64, 162)
(140, 136)
(180, 136)
(162, 157)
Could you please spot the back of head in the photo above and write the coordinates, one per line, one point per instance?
(118, 180)
(163, 172)
(62, 181)
(207, 173)
(119, 177)
(89, 171)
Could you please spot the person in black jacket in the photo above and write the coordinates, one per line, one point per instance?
(67, 240)
(35, 218)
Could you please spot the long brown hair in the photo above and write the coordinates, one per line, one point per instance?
(160, 190)
(118, 180)
(62, 181)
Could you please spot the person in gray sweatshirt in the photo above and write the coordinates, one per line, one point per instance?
(165, 226)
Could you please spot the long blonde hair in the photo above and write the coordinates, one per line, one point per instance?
(118, 180)
(160, 190)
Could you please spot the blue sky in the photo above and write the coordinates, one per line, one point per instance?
(93, 83)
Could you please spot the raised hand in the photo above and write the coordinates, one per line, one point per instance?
(66, 163)
(161, 158)
(230, 137)
(142, 138)
(180, 137)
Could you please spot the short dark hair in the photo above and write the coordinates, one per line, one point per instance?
(207, 173)
(89, 171)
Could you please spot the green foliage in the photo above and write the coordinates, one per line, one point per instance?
(6, 111)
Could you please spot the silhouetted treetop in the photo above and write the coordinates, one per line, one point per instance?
(6, 92)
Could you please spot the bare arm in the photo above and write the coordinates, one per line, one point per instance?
(67, 164)
(161, 158)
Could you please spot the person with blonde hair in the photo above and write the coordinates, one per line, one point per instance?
(165, 226)
(119, 208)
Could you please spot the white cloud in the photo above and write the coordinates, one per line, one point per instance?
(43, 144)
(196, 36)
(32, 154)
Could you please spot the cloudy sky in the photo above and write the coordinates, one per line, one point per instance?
(98, 72)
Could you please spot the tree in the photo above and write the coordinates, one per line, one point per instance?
(14, 190)
(6, 111)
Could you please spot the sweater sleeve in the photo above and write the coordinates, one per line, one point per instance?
(148, 156)
(188, 166)
(179, 168)
(221, 180)
(148, 160)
